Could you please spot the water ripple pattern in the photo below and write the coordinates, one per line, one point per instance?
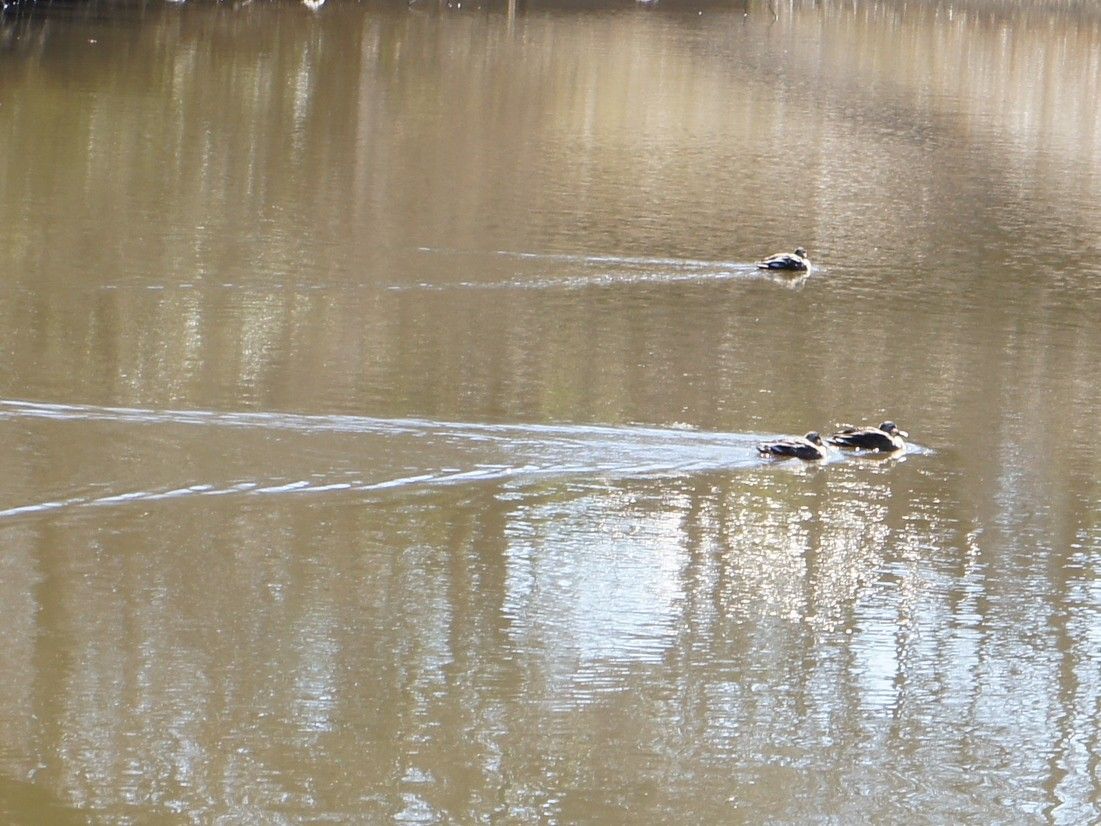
(418, 452)
(598, 270)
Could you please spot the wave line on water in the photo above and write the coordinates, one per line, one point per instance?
(347, 423)
(440, 453)
(615, 270)
(16, 408)
(298, 488)
(676, 444)
(634, 260)
(596, 271)
(589, 258)
(581, 282)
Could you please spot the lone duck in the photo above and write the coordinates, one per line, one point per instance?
(887, 437)
(808, 447)
(786, 261)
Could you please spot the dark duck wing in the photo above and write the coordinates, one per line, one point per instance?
(853, 437)
(785, 261)
(798, 447)
(865, 438)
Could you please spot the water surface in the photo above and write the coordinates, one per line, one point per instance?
(380, 388)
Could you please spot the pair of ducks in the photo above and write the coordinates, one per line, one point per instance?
(886, 438)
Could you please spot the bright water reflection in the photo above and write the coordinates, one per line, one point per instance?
(380, 388)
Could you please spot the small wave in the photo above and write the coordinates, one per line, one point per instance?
(578, 271)
(432, 453)
(612, 443)
(518, 474)
(583, 282)
(633, 260)
(440, 453)
(587, 258)
(612, 270)
(17, 408)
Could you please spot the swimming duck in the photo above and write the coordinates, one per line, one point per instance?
(802, 447)
(887, 437)
(786, 261)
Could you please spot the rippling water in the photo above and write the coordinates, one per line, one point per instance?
(380, 391)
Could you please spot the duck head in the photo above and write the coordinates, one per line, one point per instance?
(892, 429)
(814, 438)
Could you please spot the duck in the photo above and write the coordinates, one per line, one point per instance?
(786, 261)
(885, 438)
(809, 447)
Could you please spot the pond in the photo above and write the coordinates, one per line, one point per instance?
(381, 385)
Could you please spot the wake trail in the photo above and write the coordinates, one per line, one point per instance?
(419, 452)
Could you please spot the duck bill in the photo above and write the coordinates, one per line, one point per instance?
(904, 434)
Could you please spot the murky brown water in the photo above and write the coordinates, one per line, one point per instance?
(379, 391)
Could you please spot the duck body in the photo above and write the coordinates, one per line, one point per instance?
(797, 261)
(885, 438)
(809, 447)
